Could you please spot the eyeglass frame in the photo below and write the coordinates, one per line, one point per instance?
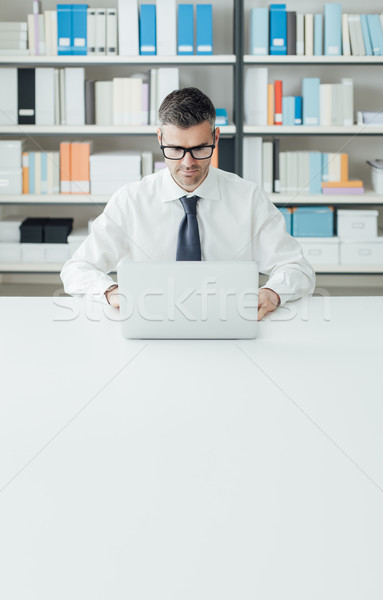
(185, 150)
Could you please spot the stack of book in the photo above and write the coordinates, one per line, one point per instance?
(51, 96)
(319, 103)
(132, 29)
(291, 172)
(41, 172)
(13, 38)
(277, 31)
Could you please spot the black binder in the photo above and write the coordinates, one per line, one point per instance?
(26, 97)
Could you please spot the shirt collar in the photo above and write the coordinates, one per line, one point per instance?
(208, 190)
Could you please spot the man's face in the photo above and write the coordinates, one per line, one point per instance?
(188, 172)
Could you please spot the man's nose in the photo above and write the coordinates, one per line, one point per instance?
(188, 160)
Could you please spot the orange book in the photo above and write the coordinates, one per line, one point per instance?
(270, 104)
(353, 183)
(278, 102)
(75, 167)
(214, 158)
(344, 167)
(65, 167)
(25, 173)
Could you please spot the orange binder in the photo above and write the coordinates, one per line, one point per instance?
(344, 167)
(278, 102)
(65, 167)
(270, 104)
(25, 173)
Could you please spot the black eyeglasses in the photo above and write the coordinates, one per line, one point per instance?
(177, 153)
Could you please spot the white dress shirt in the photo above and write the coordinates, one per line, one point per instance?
(236, 220)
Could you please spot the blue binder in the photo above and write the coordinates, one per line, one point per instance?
(44, 172)
(366, 35)
(315, 173)
(204, 29)
(259, 31)
(333, 29)
(64, 29)
(31, 172)
(288, 110)
(374, 28)
(278, 29)
(148, 29)
(310, 93)
(79, 29)
(185, 44)
(298, 110)
(318, 35)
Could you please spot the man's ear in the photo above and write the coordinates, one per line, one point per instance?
(159, 135)
(217, 132)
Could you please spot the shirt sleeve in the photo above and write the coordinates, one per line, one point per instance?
(278, 254)
(86, 273)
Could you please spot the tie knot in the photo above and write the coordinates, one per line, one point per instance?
(190, 205)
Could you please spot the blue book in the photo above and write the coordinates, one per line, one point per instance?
(221, 117)
(31, 177)
(374, 28)
(288, 110)
(324, 166)
(315, 173)
(204, 29)
(79, 29)
(298, 110)
(259, 31)
(44, 172)
(318, 35)
(148, 29)
(310, 93)
(185, 29)
(278, 29)
(379, 30)
(333, 29)
(64, 29)
(366, 35)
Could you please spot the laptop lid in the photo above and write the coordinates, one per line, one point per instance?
(188, 300)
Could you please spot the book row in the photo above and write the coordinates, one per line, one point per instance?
(277, 31)
(304, 172)
(162, 29)
(52, 96)
(321, 104)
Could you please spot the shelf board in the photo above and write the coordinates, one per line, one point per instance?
(312, 60)
(213, 59)
(91, 130)
(54, 199)
(56, 268)
(369, 198)
(311, 130)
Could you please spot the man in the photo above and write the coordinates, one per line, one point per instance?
(190, 211)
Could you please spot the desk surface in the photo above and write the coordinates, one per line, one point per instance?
(185, 470)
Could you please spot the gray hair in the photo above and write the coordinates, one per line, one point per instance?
(185, 108)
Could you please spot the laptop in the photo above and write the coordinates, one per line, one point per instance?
(188, 299)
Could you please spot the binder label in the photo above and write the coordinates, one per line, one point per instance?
(79, 42)
(64, 42)
(185, 48)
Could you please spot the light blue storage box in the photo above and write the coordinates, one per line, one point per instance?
(286, 212)
(313, 221)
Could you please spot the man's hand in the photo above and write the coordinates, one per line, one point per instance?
(268, 300)
(113, 297)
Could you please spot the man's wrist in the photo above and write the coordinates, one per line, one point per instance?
(277, 296)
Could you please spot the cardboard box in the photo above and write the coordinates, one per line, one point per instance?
(313, 221)
(321, 251)
(10, 252)
(357, 224)
(11, 181)
(368, 252)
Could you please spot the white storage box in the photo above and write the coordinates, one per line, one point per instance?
(320, 251)
(10, 229)
(377, 180)
(11, 181)
(369, 252)
(10, 154)
(106, 187)
(56, 253)
(357, 224)
(31, 253)
(10, 252)
(76, 238)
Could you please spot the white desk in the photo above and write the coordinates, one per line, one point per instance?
(185, 470)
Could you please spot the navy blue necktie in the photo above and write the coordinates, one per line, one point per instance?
(188, 243)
